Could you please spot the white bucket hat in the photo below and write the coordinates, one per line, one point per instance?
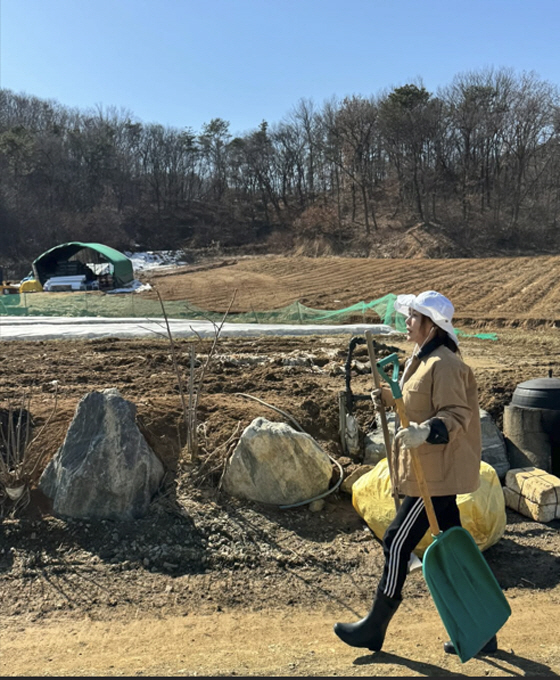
(432, 304)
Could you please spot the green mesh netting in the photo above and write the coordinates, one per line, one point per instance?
(93, 303)
(480, 336)
(129, 305)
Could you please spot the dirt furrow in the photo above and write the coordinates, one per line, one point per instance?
(506, 289)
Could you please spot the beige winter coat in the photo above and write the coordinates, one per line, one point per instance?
(441, 385)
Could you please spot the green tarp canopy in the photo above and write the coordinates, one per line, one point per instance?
(51, 262)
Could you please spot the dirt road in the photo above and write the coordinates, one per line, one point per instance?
(276, 643)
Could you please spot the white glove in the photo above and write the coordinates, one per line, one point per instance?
(414, 435)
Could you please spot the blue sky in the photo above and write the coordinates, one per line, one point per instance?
(183, 62)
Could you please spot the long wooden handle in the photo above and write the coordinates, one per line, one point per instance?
(382, 416)
(419, 473)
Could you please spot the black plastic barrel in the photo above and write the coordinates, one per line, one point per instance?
(535, 439)
(538, 393)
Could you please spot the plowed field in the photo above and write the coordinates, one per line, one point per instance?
(486, 291)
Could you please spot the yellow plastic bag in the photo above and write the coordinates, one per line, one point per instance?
(483, 512)
(30, 286)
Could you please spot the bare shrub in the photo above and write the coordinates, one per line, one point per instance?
(21, 459)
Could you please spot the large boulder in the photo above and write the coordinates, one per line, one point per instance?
(273, 463)
(105, 468)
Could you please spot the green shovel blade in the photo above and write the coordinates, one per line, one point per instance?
(468, 597)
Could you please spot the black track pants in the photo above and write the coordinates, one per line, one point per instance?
(406, 531)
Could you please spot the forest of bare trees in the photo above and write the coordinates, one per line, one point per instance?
(480, 158)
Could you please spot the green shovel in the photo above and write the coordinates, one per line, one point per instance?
(467, 595)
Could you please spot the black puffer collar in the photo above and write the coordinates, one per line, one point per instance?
(429, 347)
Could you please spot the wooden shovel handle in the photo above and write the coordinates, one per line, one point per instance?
(419, 473)
(382, 416)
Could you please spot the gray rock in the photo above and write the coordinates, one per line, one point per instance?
(317, 506)
(348, 481)
(272, 463)
(105, 468)
(494, 449)
(374, 441)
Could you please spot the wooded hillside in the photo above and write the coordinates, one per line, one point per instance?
(474, 166)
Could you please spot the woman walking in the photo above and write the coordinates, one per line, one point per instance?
(440, 397)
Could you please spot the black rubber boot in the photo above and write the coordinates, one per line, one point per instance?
(370, 631)
(489, 648)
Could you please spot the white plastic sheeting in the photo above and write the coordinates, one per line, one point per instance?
(49, 328)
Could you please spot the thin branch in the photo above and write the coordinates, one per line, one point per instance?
(190, 409)
(48, 420)
(173, 353)
(274, 408)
